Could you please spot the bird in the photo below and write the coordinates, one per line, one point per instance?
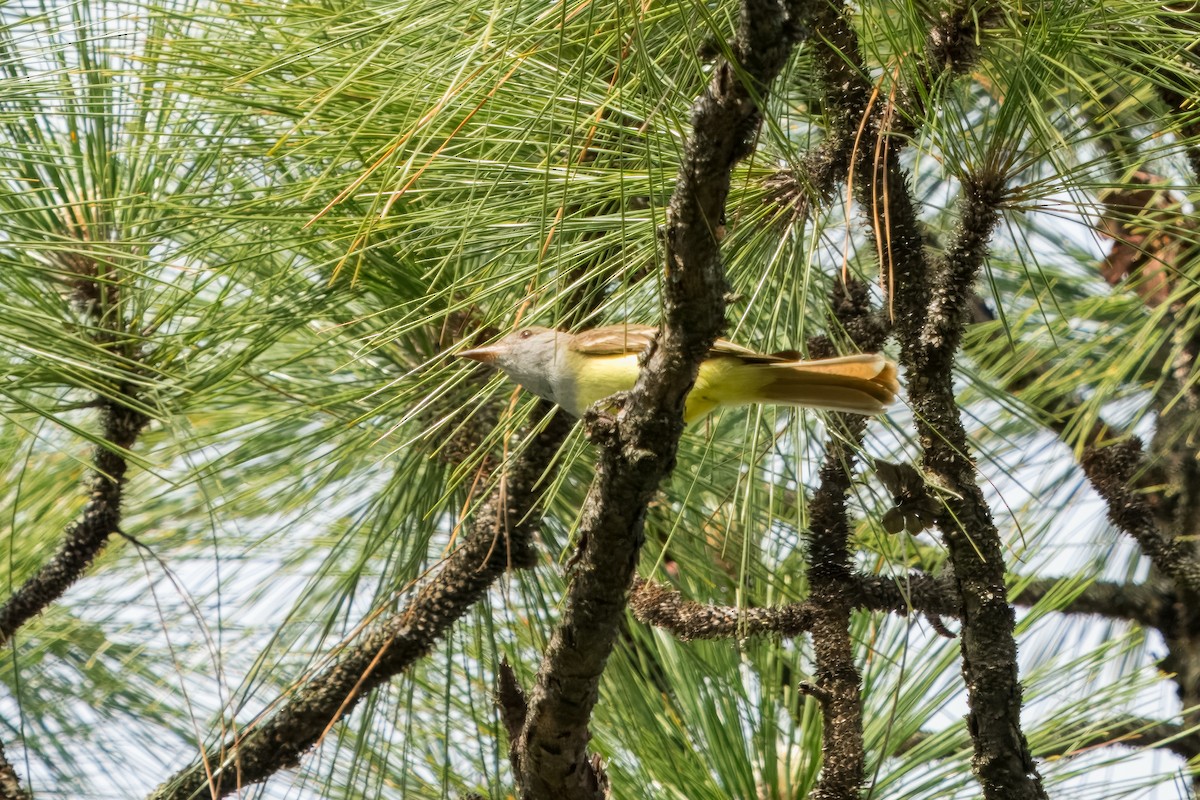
(575, 370)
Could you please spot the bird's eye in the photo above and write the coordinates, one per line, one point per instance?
(526, 334)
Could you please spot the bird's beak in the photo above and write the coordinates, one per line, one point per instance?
(484, 355)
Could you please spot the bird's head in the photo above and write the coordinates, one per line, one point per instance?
(526, 356)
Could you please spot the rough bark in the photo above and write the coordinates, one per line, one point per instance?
(838, 681)
(929, 305)
(499, 539)
(931, 301)
(637, 449)
(86, 537)
(655, 604)
(10, 782)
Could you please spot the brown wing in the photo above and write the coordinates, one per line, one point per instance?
(615, 340)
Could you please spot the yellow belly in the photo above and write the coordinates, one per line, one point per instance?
(721, 382)
(599, 377)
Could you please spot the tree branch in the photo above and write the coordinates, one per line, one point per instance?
(658, 605)
(832, 583)
(1123, 602)
(512, 704)
(930, 310)
(929, 314)
(838, 680)
(499, 538)
(638, 448)
(1110, 470)
(86, 537)
(10, 782)
(915, 593)
(1136, 733)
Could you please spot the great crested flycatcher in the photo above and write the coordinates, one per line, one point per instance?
(575, 370)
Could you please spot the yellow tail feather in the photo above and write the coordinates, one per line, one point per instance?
(860, 384)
